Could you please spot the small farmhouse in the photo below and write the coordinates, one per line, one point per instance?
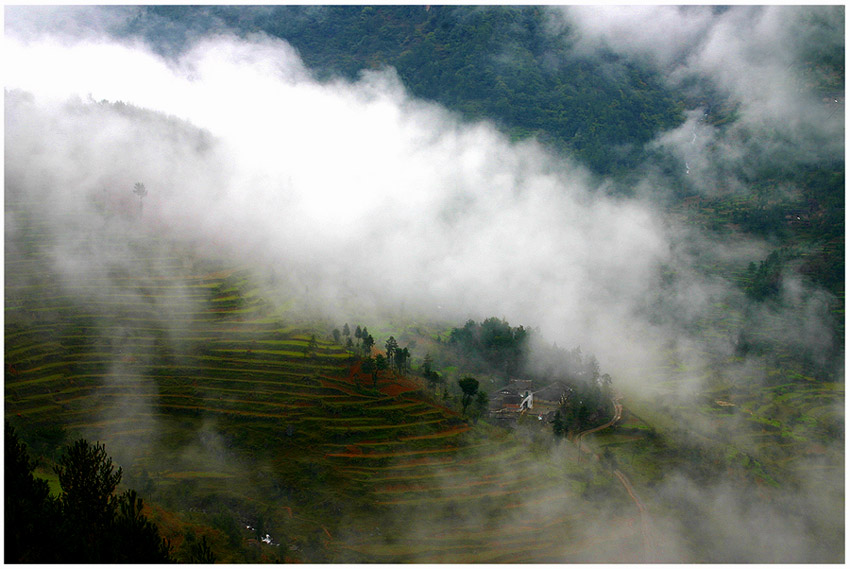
(518, 397)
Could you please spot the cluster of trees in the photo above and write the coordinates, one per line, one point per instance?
(359, 343)
(397, 358)
(497, 347)
(764, 279)
(494, 345)
(586, 405)
(552, 363)
(88, 523)
(394, 358)
(497, 336)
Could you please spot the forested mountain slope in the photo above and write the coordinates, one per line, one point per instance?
(503, 64)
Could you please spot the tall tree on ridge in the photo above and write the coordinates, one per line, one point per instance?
(391, 346)
(140, 190)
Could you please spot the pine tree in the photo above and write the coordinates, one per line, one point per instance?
(30, 511)
(368, 342)
(558, 425)
(88, 500)
(140, 190)
(391, 347)
(88, 524)
(427, 362)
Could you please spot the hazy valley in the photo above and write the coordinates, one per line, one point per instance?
(430, 284)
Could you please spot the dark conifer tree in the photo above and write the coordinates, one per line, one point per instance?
(391, 347)
(368, 342)
(30, 512)
(89, 523)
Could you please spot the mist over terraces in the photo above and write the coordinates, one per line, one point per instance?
(443, 284)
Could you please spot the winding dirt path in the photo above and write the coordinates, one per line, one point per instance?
(649, 543)
(618, 414)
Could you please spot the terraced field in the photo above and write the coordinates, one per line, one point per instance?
(240, 420)
(775, 436)
(233, 416)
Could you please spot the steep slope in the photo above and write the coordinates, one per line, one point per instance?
(242, 422)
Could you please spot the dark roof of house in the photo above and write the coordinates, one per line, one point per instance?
(553, 391)
(507, 390)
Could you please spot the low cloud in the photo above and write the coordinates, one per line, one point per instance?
(356, 188)
(360, 199)
(358, 191)
(759, 63)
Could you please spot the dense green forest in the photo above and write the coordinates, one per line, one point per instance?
(484, 62)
